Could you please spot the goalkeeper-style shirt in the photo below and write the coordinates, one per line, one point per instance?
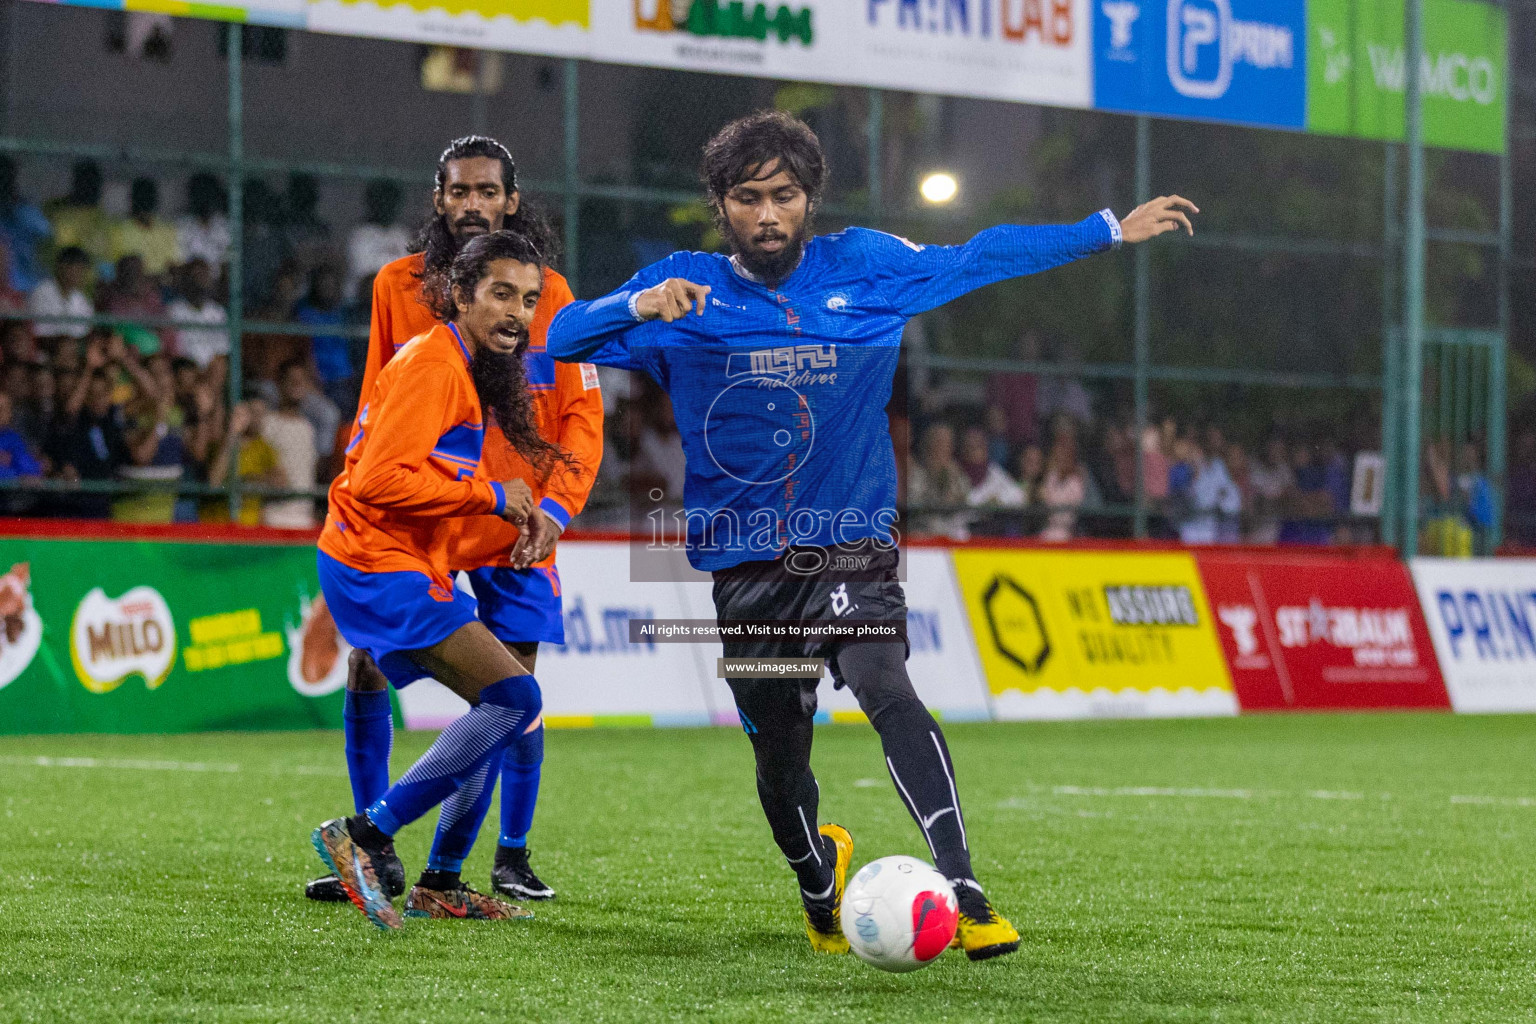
(779, 393)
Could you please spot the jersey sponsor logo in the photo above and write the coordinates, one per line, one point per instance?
(837, 301)
(113, 638)
(589, 378)
(781, 362)
(1151, 606)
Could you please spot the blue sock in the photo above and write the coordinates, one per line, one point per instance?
(370, 732)
(520, 786)
(459, 753)
(458, 824)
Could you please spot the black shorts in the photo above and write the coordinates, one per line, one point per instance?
(856, 582)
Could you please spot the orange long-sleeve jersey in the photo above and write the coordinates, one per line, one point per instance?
(411, 464)
(568, 410)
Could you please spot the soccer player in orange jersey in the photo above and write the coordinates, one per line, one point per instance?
(384, 562)
(519, 601)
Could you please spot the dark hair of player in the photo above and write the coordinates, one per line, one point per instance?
(501, 378)
(437, 243)
(757, 147)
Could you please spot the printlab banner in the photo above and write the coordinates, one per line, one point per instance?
(129, 636)
(1321, 631)
(1482, 616)
(1078, 634)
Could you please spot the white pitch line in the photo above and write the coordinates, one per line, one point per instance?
(1226, 794)
(128, 764)
(1496, 801)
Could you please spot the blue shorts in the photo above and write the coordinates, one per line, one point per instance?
(520, 606)
(390, 613)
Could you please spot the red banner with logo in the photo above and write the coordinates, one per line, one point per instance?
(1321, 631)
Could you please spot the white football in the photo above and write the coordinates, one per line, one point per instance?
(899, 913)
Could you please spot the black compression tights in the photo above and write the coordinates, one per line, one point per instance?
(777, 717)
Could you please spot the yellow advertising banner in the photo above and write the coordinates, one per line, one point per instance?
(1072, 634)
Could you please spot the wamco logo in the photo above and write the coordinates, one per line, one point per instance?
(1205, 44)
(727, 19)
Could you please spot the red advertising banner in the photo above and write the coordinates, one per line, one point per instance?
(1321, 631)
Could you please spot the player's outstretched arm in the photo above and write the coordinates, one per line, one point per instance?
(917, 278)
(1156, 217)
(595, 331)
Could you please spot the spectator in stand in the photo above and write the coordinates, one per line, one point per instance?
(36, 419)
(332, 352)
(1154, 465)
(1062, 393)
(23, 228)
(1520, 497)
(1015, 392)
(296, 377)
(1311, 505)
(17, 343)
(95, 445)
(937, 481)
(145, 233)
(1064, 489)
(256, 462)
(264, 250)
(16, 452)
(379, 239)
(1119, 462)
(11, 299)
(200, 397)
(990, 485)
(78, 219)
(306, 238)
(132, 294)
(1212, 502)
(292, 437)
(1270, 483)
(659, 459)
(1031, 472)
(999, 448)
(1473, 489)
(63, 295)
(195, 305)
(203, 234)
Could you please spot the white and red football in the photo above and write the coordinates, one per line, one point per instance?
(899, 913)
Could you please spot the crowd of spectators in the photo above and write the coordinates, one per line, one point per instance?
(114, 346)
(114, 366)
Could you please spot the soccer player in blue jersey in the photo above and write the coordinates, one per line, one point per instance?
(779, 361)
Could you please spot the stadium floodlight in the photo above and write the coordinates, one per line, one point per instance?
(939, 188)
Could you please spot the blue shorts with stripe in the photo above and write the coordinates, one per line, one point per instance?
(390, 613)
(520, 605)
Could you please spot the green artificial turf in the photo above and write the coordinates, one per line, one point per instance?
(1326, 868)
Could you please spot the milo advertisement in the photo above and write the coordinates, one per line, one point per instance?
(132, 636)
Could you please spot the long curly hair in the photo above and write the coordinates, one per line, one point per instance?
(501, 378)
(435, 240)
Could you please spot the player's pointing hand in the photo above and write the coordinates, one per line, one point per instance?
(671, 300)
(1160, 215)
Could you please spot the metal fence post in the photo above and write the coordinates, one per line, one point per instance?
(1498, 424)
(572, 175)
(874, 130)
(1413, 279)
(1143, 328)
(236, 311)
(1391, 349)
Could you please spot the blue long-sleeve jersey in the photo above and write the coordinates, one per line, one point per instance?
(780, 393)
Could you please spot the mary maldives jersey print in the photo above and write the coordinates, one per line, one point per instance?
(780, 393)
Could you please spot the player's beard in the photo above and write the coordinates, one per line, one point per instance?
(501, 381)
(770, 267)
